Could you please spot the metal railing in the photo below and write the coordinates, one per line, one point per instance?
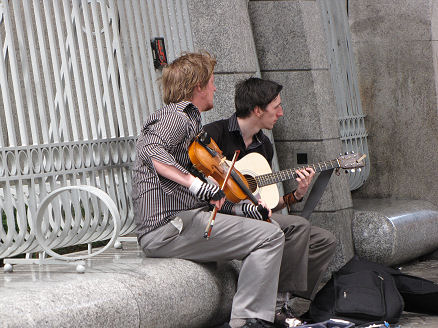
(344, 77)
(77, 81)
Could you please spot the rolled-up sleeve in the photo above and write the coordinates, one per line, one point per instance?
(161, 137)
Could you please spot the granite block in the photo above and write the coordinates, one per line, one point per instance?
(99, 301)
(398, 92)
(288, 34)
(120, 290)
(223, 28)
(434, 20)
(178, 293)
(399, 20)
(337, 195)
(308, 104)
(394, 231)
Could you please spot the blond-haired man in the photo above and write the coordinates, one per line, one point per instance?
(171, 205)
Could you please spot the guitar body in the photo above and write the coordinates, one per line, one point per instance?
(253, 165)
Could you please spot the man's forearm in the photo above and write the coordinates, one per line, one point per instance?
(172, 173)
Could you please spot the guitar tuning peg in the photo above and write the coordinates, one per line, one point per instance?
(352, 151)
(346, 153)
(359, 169)
(353, 170)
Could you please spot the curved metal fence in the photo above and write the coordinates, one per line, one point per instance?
(77, 80)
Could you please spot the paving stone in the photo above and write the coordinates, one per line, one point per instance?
(120, 267)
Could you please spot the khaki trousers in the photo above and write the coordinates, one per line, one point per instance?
(287, 255)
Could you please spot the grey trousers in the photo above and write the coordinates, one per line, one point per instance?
(287, 255)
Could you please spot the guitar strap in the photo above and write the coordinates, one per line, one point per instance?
(316, 192)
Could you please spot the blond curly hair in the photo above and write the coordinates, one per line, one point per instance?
(180, 77)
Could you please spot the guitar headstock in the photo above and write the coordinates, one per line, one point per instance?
(351, 161)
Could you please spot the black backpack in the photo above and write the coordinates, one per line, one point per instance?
(367, 292)
(420, 295)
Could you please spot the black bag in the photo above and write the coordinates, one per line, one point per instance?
(360, 292)
(420, 295)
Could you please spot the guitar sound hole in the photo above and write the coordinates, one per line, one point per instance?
(251, 183)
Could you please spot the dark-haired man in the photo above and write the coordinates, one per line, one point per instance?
(258, 106)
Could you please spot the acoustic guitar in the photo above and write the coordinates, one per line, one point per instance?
(262, 181)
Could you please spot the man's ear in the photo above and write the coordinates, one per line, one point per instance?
(197, 89)
(258, 111)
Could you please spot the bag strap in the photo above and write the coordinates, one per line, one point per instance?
(316, 192)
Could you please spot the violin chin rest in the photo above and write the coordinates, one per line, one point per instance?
(204, 138)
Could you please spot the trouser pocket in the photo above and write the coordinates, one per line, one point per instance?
(154, 243)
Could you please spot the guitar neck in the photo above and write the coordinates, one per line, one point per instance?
(272, 178)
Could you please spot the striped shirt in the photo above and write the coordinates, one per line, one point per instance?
(165, 137)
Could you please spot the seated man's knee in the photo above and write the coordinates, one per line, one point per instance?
(277, 237)
(278, 234)
(322, 239)
(301, 224)
(329, 241)
(267, 232)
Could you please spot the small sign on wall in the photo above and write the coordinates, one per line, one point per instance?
(159, 52)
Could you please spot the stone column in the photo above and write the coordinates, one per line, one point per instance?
(397, 54)
(291, 49)
(223, 28)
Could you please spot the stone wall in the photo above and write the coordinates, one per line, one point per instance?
(291, 47)
(396, 54)
(222, 27)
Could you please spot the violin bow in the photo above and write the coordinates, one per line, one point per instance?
(210, 224)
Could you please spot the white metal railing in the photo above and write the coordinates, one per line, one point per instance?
(77, 81)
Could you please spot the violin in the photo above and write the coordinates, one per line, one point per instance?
(207, 158)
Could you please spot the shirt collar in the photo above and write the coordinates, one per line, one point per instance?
(233, 126)
(184, 106)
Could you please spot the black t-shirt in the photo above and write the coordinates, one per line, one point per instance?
(226, 133)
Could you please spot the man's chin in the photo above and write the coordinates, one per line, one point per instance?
(206, 109)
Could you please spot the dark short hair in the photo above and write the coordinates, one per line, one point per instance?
(254, 92)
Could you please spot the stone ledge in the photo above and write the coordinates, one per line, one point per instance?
(119, 291)
(394, 231)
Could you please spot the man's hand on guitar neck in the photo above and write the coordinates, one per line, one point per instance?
(304, 178)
